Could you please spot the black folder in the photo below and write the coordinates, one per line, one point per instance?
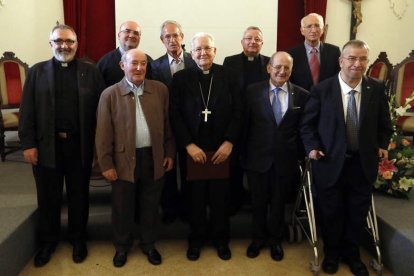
(208, 170)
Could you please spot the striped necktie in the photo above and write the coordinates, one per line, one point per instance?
(314, 65)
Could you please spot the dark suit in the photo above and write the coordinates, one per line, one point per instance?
(344, 180)
(69, 157)
(329, 64)
(160, 68)
(270, 154)
(248, 72)
(170, 200)
(111, 70)
(223, 124)
(236, 62)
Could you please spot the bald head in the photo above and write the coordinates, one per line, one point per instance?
(129, 35)
(134, 65)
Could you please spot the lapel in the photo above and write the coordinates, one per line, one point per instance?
(337, 105)
(188, 60)
(51, 81)
(266, 102)
(303, 58)
(165, 69)
(366, 94)
(322, 59)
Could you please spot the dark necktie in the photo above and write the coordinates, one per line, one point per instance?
(277, 108)
(352, 123)
(314, 65)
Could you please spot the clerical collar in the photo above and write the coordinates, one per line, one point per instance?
(205, 72)
(63, 64)
(250, 58)
(171, 59)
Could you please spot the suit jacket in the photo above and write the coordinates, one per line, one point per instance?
(265, 142)
(116, 128)
(323, 127)
(236, 62)
(329, 64)
(160, 68)
(225, 106)
(37, 111)
(111, 70)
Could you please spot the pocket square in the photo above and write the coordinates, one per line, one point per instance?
(296, 107)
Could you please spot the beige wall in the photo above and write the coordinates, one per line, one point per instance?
(25, 25)
(380, 27)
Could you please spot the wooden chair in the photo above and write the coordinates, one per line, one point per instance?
(381, 69)
(12, 76)
(403, 87)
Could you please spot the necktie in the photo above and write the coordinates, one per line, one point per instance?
(277, 108)
(352, 123)
(314, 65)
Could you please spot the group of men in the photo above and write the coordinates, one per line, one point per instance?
(253, 114)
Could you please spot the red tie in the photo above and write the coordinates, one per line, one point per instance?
(314, 65)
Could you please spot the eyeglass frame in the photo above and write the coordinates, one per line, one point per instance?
(59, 42)
(199, 50)
(255, 39)
(353, 59)
(129, 32)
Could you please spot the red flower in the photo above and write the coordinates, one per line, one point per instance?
(386, 166)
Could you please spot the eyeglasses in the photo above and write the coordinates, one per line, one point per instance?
(130, 32)
(353, 59)
(170, 37)
(59, 42)
(309, 27)
(280, 67)
(255, 39)
(205, 49)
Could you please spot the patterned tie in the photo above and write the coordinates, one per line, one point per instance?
(314, 65)
(352, 123)
(277, 108)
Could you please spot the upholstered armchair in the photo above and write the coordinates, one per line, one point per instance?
(381, 69)
(12, 76)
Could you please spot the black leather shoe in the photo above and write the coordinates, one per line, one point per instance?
(357, 267)
(43, 255)
(153, 256)
(193, 253)
(79, 252)
(276, 252)
(330, 266)
(254, 249)
(224, 253)
(120, 259)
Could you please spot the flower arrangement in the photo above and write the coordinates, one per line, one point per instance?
(396, 175)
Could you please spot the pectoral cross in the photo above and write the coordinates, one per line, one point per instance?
(206, 112)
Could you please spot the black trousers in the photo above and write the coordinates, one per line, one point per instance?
(268, 205)
(216, 226)
(344, 208)
(49, 185)
(143, 196)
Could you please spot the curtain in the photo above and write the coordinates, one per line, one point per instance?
(94, 23)
(288, 22)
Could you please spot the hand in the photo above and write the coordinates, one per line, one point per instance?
(196, 153)
(30, 155)
(110, 175)
(168, 163)
(316, 154)
(382, 153)
(222, 153)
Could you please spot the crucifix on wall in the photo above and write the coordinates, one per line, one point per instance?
(356, 18)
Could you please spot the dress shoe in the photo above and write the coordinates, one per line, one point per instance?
(330, 266)
(193, 253)
(357, 267)
(120, 259)
(254, 249)
(224, 253)
(43, 255)
(79, 252)
(276, 252)
(153, 256)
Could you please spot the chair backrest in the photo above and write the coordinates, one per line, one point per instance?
(381, 69)
(403, 80)
(13, 73)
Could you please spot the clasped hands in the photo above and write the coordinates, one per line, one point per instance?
(199, 156)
